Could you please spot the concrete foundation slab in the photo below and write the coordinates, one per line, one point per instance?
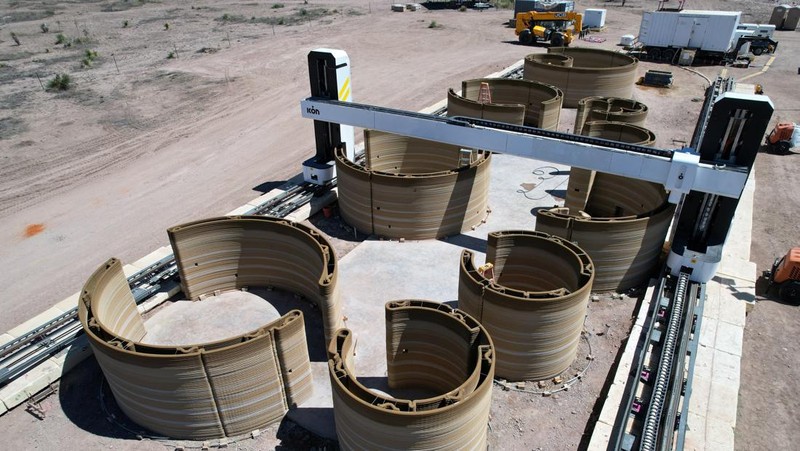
(377, 271)
(213, 318)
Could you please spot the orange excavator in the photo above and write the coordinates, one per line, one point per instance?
(785, 275)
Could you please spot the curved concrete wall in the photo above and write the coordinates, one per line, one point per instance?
(459, 106)
(535, 303)
(541, 102)
(619, 131)
(583, 72)
(429, 347)
(620, 222)
(227, 387)
(413, 189)
(231, 253)
(624, 249)
(610, 109)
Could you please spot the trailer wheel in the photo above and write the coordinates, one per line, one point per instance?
(757, 51)
(668, 55)
(790, 292)
(783, 147)
(525, 37)
(654, 54)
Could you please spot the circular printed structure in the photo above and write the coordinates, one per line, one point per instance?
(430, 347)
(610, 109)
(412, 188)
(620, 222)
(583, 72)
(521, 102)
(534, 303)
(619, 131)
(226, 387)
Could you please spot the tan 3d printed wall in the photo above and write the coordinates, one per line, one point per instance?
(540, 103)
(431, 347)
(412, 188)
(583, 72)
(620, 222)
(227, 387)
(609, 109)
(533, 305)
(231, 253)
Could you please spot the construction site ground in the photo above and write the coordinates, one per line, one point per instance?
(143, 142)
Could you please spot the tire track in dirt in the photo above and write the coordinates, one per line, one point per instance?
(64, 168)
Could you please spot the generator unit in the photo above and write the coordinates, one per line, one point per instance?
(663, 34)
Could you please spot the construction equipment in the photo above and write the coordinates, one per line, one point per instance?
(557, 28)
(657, 78)
(779, 140)
(785, 275)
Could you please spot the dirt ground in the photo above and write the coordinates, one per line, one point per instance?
(190, 109)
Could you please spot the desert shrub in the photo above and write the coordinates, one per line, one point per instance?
(433, 24)
(88, 58)
(504, 4)
(277, 5)
(44, 28)
(61, 39)
(463, 9)
(61, 82)
(125, 24)
(166, 26)
(171, 55)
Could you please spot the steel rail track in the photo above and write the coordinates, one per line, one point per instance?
(27, 351)
(654, 410)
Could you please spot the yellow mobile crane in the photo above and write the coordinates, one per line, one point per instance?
(547, 26)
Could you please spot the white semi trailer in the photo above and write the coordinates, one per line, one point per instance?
(664, 34)
(713, 36)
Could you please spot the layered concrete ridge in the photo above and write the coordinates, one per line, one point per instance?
(227, 387)
(623, 248)
(430, 347)
(533, 304)
(412, 188)
(583, 72)
(521, 102)
(619, 131)
(610, 109)
(621, 222)
(233, 253)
